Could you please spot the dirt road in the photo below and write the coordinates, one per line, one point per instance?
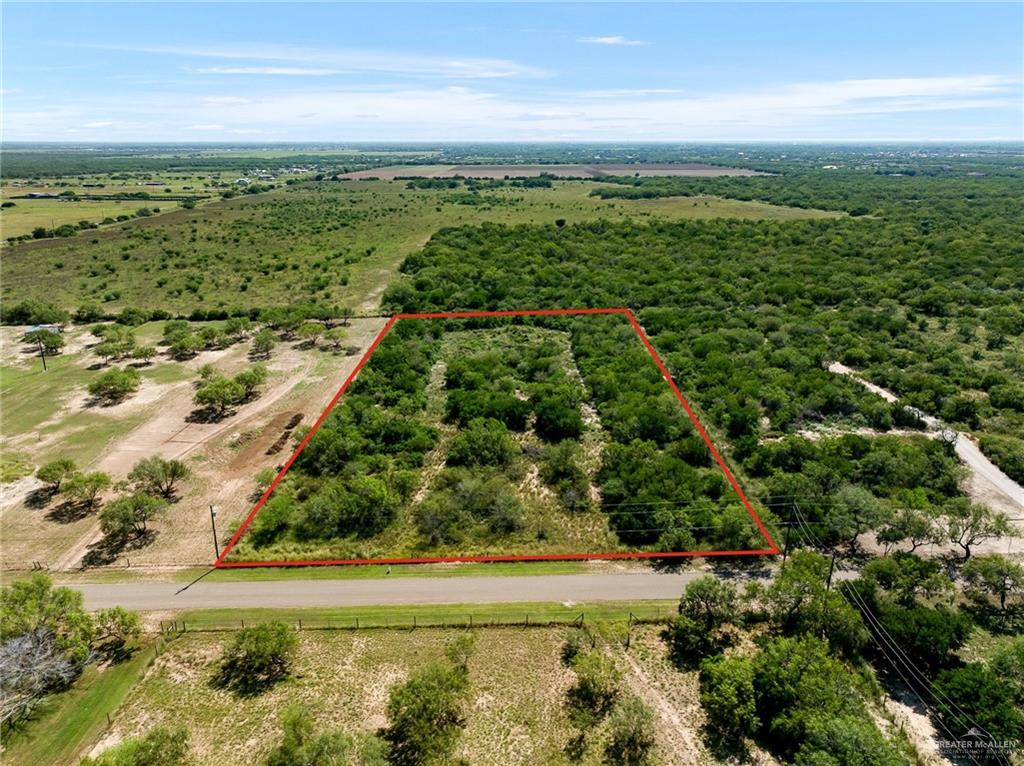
(161, 596)
(985, 471)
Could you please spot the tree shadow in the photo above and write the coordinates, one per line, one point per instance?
(724, 747)
(69, 512)
(106, 550)
(242, 684)
(206, 415)
(116, 652)
(576, 747)
(39, 497)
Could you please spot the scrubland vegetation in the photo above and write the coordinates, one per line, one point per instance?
(544, 436)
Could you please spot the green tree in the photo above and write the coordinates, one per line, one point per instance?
(310, 332)
(251, 379)
(710, 602)
(425, 715)
(993, 575)
(854, 511)
(56, 472)
(219, 396)
(727, 695)
(967, 524)
(908, 576)
(258, 657)
(144, 353)
(631, 734)
(33, 604)
(982, 698)
(596, 689)
(50, 341)
(158, 476)
(86, 487)
(117, 625)
(130, 515)
(800, 603)
(115, 385)
(263, 342)
(186, 346)
(159, 747)
(238, 327)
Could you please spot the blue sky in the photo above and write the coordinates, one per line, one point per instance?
(490, 72)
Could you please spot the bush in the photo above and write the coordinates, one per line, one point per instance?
(596, 689)
(425, 715)
(160, 747)
(631, 734)
(115, 385)
(981, 697)
(727, 696)
(483, 442)
(302, 746)
(258, 657)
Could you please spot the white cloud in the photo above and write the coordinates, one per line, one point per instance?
(610, 40)
(204, 126)
(348, 59)
(269, 70)
(810, 110)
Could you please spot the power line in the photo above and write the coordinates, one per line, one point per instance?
(902, 657)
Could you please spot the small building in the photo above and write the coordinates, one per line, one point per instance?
(242, 182)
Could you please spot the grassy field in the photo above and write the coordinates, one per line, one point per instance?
(516, 713)
(38, 403)
(334, 243)
(27, 214)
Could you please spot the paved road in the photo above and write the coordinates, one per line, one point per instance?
(155, 596)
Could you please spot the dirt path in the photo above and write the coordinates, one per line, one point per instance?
(684, 748)
(988, 479)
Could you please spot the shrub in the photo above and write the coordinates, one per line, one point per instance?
(484, 441)
(425, 715)
(631, 734)
(727, 696)
(115, 385)
(258, 657)
(596, 689)
(160, 747)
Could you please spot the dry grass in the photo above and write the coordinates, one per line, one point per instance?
(516, 714)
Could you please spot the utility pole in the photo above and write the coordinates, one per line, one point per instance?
(831, 569)
(785, 547)
(213, 524)
(42, 354)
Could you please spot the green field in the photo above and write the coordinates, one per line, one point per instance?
(331, 243)
(28, 214)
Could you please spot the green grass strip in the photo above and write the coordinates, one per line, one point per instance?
(440, 615)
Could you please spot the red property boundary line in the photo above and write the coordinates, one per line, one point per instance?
(772, 548)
